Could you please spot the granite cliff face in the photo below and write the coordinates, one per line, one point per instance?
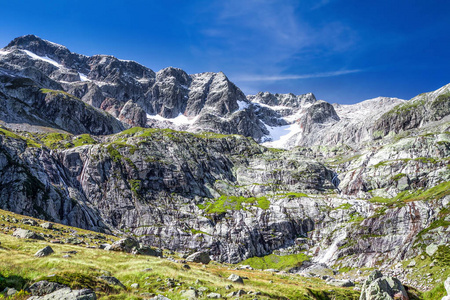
(91, 142)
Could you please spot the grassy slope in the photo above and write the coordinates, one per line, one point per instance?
(19, 268)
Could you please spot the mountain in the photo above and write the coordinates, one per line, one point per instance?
(188, 162)
(170, 98)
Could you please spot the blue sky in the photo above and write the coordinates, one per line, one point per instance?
(342, 51)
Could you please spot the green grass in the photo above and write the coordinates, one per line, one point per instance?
(398, 176)
(84, 139)
(10, 134)
(225, 203)
(405, 107)
(56, 140)
(344, 206)
(135, 186)
(437, 192)
(437, 293)
(57, 92)
(113, 153)
(19, 269)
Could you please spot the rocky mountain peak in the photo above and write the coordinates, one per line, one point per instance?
(43, 48)
(171, 73)
(36, 45)
(288, 100)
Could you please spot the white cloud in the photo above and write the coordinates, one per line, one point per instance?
(292, 77)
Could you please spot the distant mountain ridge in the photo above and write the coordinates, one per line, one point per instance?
(170, 98)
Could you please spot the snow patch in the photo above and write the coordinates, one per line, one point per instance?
(3, 52)
(83, 77)
(45, 58)
(179, 120)
(243, 105)
(280, 135)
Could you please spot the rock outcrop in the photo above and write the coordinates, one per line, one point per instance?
(379, 287)
(46, 251)
(68, 294)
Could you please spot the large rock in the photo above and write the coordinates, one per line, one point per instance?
(112, 280)
(26, 234)
(188, 294)
(235, 278)
(29, 222)
(68, 294)
(447, 288)
(44, 287)
(199, 257)
(147, 250)
(431, 249)
(44, 252)
(47, 225)
(125, 245)
(379, 287)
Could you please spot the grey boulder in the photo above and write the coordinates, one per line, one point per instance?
(26, 234)
(68, 294)
(447, 288)
(379, 287)
(44, 287)
(47, 225)
(29, 222)
(112, 280)
(125, 245)
(236, 278)
(44, 252)
(199, 257)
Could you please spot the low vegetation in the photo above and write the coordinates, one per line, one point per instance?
(19, 268)
(225, 203)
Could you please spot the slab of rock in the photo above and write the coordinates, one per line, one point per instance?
(26, 234)
(29, 222)
(199, 257)
(10, 291)
(73, 241)
(44, 287)
(245, 267)
(214, 296)
(236, 278)
(411, 264)
(272, 270)
(236, 294)
(112, 280)
(44, 252)
(189, 294)
(104, 246)
(68, 294)
(47, 225)
(159, 297)
(147, 250)
(447, 288)
(431, 249)
(125, 245)
(341, 283)
(379, 287)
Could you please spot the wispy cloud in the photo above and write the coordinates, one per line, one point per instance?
(267, 36)
(293, 77)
